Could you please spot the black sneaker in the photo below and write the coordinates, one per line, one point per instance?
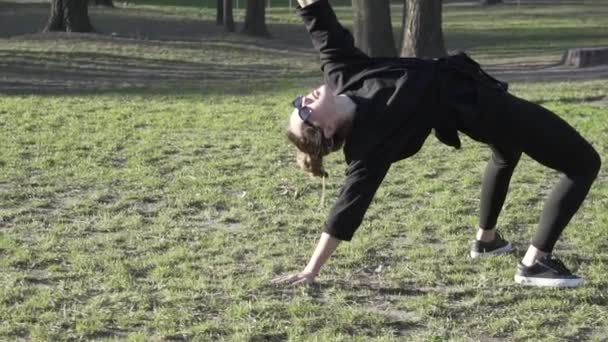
(494, 247)
(548, 271)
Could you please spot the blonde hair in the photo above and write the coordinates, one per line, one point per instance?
(312, 146)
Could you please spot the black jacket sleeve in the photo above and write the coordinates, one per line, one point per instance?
(335, 44)
(362, 181)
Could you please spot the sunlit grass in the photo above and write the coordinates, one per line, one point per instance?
(158, 209)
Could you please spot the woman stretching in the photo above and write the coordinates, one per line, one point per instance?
(381, 110)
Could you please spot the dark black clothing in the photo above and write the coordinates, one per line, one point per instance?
(386, 126)
(397, 106)
(510, 126)
(399, 101)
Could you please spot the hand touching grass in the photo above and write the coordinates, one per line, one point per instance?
(325, 247)
(302, 278)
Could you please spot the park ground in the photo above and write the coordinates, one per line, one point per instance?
(147, 191)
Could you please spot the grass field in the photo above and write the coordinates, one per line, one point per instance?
(147, 193)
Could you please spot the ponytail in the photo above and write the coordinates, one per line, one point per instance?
(312, 147)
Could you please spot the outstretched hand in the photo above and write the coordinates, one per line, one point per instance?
(301, 278)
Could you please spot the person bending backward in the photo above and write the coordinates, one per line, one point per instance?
(382, 110)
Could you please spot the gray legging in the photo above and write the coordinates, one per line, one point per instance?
(510, 126)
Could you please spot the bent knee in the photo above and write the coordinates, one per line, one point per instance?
(589, 164)
(595, 163)
(504, 160)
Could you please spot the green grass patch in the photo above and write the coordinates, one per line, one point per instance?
(147, 193)
(165, 216)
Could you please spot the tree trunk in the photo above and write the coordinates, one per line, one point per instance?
(69, 16)
(219, 16)
(373, 30)
(422, 33)
(108, 3)
(490, 2)
(403, 23)
(255, 19)
(228, 18)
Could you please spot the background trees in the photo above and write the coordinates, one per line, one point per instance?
(255, 18)
(69, 16)
(219, 13)
(108, 3)
(422, 31)
(422, 34)
(373, 30)
(228, 18)
(490, 2)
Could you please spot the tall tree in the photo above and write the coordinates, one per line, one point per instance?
(422, 32)
(228, 17)
(219, 14)
(255, 18)
(403, 17)
(490, 2)
(69, 16)
(107, 3)
(373, 30)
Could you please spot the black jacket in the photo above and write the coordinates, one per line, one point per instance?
(399, 101)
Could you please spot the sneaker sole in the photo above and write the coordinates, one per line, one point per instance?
(506, 249)
(545, 282)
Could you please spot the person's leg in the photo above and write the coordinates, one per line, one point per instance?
(551, 141)
(506, 120)
(472, 121)
(494, 187)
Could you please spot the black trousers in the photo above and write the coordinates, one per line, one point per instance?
(512, 126)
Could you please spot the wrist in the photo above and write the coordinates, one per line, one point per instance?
(312, 270)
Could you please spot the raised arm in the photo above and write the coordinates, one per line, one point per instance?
(335, 44)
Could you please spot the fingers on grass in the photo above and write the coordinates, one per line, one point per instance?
(302, 281)
(286, 279)
(278, 280)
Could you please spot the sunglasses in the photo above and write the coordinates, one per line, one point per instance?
(303, 111)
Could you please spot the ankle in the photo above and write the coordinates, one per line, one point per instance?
(532, 255)
(485, 235)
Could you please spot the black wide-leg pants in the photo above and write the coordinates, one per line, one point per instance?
(512, 126)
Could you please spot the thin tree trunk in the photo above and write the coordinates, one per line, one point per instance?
(219, 16)
(373, 30)
(403, 23)
(107, 3)
(423, 35)
(228, 18)
(56, 21)
(255, 18)
(490, 2)
(69, 16)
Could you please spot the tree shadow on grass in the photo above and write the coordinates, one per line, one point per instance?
(255, 64)
(24, 19)
(39, 72)
(228, 63)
